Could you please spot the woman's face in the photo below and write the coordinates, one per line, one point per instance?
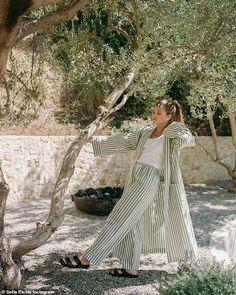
(159, 115)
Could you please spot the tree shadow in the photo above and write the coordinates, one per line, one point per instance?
(93, 281)
(32, 187)
(211, 206)
(21, 217)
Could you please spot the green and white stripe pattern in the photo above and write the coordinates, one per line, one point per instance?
(164, 224)
(125, 223)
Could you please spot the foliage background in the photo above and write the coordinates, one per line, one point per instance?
(181, 48)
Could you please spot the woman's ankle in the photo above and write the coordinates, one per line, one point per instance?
(84, 260)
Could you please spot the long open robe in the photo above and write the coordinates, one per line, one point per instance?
(167, 223)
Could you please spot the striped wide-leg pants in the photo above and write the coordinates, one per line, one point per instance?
(124, 226)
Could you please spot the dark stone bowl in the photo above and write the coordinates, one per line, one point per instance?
(98, 201)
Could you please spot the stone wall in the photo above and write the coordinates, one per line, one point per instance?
(198, 167)
(31, 164)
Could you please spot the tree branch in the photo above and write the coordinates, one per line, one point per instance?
(10, 276)
(8, 102)
(42, 3)
(53, 18)
(233, 128)
(56, 214)
(136, 21)
(112, 28)
(114, 96)
(125, 9)
(30, 91)
(217, 160)
(213, 132)
(122, 103)
(233, 132)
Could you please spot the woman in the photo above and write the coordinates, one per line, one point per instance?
(152, 215)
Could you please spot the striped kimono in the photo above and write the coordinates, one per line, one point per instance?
(166, 221)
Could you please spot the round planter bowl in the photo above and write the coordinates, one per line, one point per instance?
(94, 206)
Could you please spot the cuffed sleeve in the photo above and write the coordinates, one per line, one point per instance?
(180, 134)
(114, 144)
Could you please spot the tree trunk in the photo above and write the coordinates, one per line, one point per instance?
(35, 4)
(217, 158)
(232, 188)
(10, 276)
(10, 18)
(61, 15)
(233, 131)
(56, 215)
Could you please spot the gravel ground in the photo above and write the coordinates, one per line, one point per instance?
(211, 206)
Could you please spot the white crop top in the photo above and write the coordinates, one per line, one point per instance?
(152, 152)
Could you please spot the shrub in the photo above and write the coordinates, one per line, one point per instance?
(200, 279)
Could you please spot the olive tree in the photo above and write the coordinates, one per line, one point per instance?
(212, 77)
(215, 88)
(161, 38)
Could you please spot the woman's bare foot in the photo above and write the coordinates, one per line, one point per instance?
(83, 260)
(132, 271)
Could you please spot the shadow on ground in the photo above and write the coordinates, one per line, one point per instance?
(85, 282)
(210, 207)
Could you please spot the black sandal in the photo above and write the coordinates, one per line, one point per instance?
(69, 264)
(121, 272)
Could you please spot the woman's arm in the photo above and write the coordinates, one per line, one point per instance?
(114, 144)
(182, 137)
